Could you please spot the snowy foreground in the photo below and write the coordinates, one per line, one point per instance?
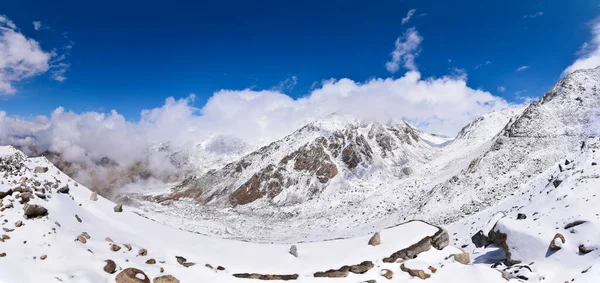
(72, 242)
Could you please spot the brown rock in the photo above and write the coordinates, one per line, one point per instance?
(188, 264)
(165, 279)
(118, 208)
(181, 259)
(462, 257)
(82, 239)
(162, 270)
(127, 246)
(110, 266)
(78, 219)
(415, 272)
(433, 269)
(19, 223)
(331, 273)
(375, 239)
(130, 275)
(362, 267)
(43, 257)
(220, 268)
(151, 261)
(142, 252)
(5, 237)
(114, 248)
(34, 210)
(209, 266)
(108, 239)
(86, 235)
(387, 273)
(2, 254)
(584, 250)
(553, 245)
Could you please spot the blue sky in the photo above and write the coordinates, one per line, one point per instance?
(131, 55)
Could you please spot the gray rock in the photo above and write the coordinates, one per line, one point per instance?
(40, 169)
(480, 239)
(118, 208)
(64, 190)
(294, 250)
(375, 239)
(34, 210)
(94, 196)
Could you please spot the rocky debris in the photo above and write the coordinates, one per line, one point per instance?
(86, 235)
(5, 237)
(415, 272)
(220, 268)
(209, 266)
(2, 254)
(151, 261)
(43, 257)
(142, 252)
(573, 224)
(521, 272)
(40, 169)
(181, 259)
(188, 264)
(521, 216)
(332, 273)
(388, 274)
(108, 239)
(480, 239)
(343, 271)
(165, 279)
(375, 239)
(7, 193)
(294, 250)
(132, 275)
(34, 211)
(82, 239)
(64, 190)
(266, 276)
(110, 266)
(554, 244)
(94, 196)
(118, 208)
(439, 241)
(7, 230)
(78, 218)
(19, 223)
(114, 247)
(127, 246)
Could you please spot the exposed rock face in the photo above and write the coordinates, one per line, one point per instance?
(132, 275)
(438, 241)
(343, 271)
(375, 239)
(480, 239)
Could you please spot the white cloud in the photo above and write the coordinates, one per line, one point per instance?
(522, 68)
(20, 57)
(589, 54)
(483, 64)
(287, 84)
(37, 25)
(501, 89)
(409, 15)
(534, 15)
(405, 52)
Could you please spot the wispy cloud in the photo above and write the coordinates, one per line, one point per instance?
(287, 84)
(37, 25)
(501, 89)
(483, 64)
(522, 68)
(409, 15)
(534, 15)
(20, 57)
(589, 54)
(407, 48)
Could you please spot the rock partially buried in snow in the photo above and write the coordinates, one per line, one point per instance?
(118, 208)
(110, 266)
(294, 250)
(82, 239)
(132, 275)
(387, 273)
(165, 279)
(114, 247)
(142, 252)
(64, 190)
(94, 196)
(375, 239)
(151, 261)
(462, 257)
(34, 210)
(415, 272)
(557, 242)
(40, 169)
(480, 239)
(181, 260)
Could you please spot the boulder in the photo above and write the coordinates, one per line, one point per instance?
(142, 252)
(415, 272)
(388, 274)
(463, 257)
(132, 275)
(557, 241)
(362, 267)
(521, 216)
(34, 210)
(127, 246)
(115, 248)
(294, 250)
(151, 261)
(64, 190)
(110, 266)
(165, 279)
(118, 207)
(181, 260)
(375, 239)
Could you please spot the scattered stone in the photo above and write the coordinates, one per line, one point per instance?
(294, 250)
(40, 169)
(375, 239)
(43, 257)
(7, 230)
(433, 269)
(594, 163)
(463, 257)
(584, 250)
(574, 223)
(388, 274)
(110, 266)
(209, 266)
(151, 261)
(86, 235)
(19, 223)
(57, 224)
(64, 190)
(108, 239)
(188, 264)
(220, 268)
(118, 208)
(362, 267)
(114, 247)
(521, 216)
(78, 219)
(128, 246)
(165, 279)
(556, 183)
(132, 275)
(181, 259)
(553, 245)
(142, 252)
(34, 210)
(415, 272)
(5, 237)
(94, 196)
(82, 239)
(162, 270)
(2, 254)
(266, 276)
